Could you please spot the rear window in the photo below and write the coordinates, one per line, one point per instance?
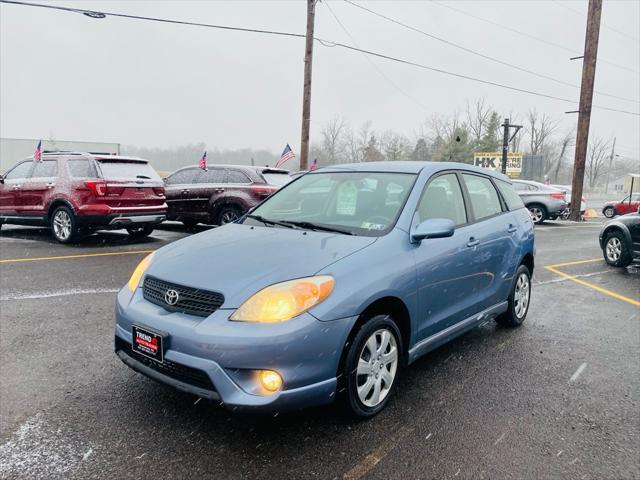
(512, 199)
(236, 176)
(123, 170)
(277, 179)
(81, 169)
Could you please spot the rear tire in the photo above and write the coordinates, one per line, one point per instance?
(372, 367)
(616, 251)
(538, 213)
(609, 212)
(63, 225)
(140, 232)
(519, 299)
(189, 223)
(228, 214)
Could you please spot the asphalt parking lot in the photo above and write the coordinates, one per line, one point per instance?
(557, 398)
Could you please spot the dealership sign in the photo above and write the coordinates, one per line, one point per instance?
(493, 161)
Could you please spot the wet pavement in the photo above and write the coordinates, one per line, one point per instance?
(556, 398)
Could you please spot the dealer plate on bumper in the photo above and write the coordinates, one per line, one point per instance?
(147, 343)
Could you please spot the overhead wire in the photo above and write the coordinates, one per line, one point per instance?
(479, 54)
(102, 14)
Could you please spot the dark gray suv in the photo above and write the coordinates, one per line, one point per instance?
(542, 201)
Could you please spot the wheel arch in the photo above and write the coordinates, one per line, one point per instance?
(58, 202)
(616, 228)
(216, 205)
(529, 262)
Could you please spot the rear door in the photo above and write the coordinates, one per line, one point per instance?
(37, 189)
(177, 189)
(131, 184)
(208, 187)
(10, 190)
(491, 239)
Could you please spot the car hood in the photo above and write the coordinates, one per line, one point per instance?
(239, 260)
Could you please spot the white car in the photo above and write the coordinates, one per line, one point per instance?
(567, 191)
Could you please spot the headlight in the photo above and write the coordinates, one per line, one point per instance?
(139, 271)
(283, 301)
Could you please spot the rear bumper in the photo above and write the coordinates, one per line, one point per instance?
(121, 220)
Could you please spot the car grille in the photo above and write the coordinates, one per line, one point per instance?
(182, 373)
(190, 300)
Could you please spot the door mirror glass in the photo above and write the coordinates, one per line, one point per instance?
(433, 228)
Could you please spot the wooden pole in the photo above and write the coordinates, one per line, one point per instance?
(306, 94)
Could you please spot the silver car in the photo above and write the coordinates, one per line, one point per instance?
(543, 201)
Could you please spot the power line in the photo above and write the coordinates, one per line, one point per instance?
(528, 35)
(102, 14)
(479, 54)
(578, 12)
(371, 62)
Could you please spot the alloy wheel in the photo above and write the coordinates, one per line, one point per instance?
(228, 217)
(614, 249)
(609, 212)
(536, 214)
(521, 295)
(62, 225)
(377, 367)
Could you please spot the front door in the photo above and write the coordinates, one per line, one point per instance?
(10, 190)
(629, 204)
(37, 188)
(177, 190)
(445, 266)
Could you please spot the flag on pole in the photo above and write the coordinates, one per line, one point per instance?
(314, 164)
(287, 154)
(37, 155)
(203, 161)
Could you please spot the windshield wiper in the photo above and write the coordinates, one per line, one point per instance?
(266, 221)
(314, 226)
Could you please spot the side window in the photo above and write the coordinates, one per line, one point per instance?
(20, 171)
(442, 198)
(484, 197)
(214, 175)
(236, 176)
(45, 169)
(182, 177)
(519, 187)
(512, 199)
(81, 169)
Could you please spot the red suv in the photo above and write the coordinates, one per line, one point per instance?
(220, 194)
(75, 193)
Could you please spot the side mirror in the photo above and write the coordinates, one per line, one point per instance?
(1, 179)
(433, 228)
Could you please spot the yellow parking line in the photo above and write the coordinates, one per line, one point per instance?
(67, 257)
(591, 285)
(577, 262)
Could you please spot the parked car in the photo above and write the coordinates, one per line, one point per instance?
(566, 189)
(628, 204)
(620, 240)
(543, 201)
(74, 193)
(331, 286)
(221, 194)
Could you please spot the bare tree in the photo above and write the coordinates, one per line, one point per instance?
(332, 142)
(597, 158)
(561, 149)
(395, 146)
(478, 117)
(540, 129)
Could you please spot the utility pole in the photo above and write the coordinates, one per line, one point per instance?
(306, 94)
(505, 145)
(613, 154)
(586, 97)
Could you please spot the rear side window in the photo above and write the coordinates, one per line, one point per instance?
(20, 171)
(277, 179)
(183, 177)
(81, 169)
(45, 169)
(215, 175)
(512, 199)
(484, 197)
(236, 176)
(123, 170)
(442, 198)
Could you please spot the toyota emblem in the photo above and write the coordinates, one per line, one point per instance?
(171, 297)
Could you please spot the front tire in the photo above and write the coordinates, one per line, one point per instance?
(616, 251)
(519, 299)
(538, 213)
(372, 366)
(63, 225)
(609, 212)
(228, 214)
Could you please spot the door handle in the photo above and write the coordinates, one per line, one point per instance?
(16, 187)
(511, 228)
(185, 191)
(473, 242)
(51, 185)
(219, 190)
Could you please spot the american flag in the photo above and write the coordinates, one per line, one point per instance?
(203, 161)
(37, 155)
(287, 154)
(314, 164)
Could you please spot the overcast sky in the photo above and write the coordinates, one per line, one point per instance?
(150, 84)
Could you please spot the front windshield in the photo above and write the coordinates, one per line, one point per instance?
(361, 203)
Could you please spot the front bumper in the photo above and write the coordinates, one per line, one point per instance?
(305, 351)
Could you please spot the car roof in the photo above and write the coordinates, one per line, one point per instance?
(414, 167)
(253, 168)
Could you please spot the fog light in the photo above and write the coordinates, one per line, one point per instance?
(270, 380)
